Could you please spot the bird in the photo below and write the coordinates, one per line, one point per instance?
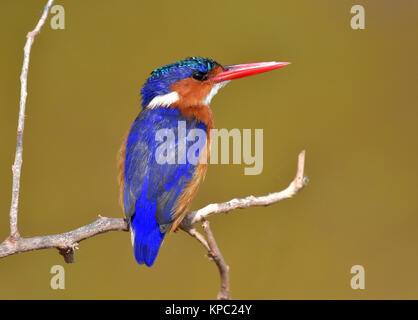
(155, 195)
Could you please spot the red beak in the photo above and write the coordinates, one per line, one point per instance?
(245, 70)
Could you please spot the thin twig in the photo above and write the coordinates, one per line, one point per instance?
(295, 186)
(17, 165)
(216, 255)
(197, 235)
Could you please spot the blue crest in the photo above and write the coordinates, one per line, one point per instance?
(162, 78)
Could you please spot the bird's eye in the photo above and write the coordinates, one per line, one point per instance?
(200, 76)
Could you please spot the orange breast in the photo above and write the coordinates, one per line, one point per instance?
(121, 167)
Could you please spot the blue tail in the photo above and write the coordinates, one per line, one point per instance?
(147, 237)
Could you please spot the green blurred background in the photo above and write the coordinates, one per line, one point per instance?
(349, 98)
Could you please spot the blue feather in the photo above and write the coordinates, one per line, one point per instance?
(151, 190)
(146, 231)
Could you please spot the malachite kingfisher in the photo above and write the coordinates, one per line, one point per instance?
(155, 195)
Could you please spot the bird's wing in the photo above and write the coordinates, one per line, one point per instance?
(157, 186)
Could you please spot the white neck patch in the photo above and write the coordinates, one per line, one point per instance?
(164, 100)
(214, 91)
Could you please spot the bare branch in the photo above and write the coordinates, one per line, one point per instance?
(65, 242)
(216, 255)
(17, 165)
(197, 235)
(295, 186)
(68, 240)
(210, 244)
